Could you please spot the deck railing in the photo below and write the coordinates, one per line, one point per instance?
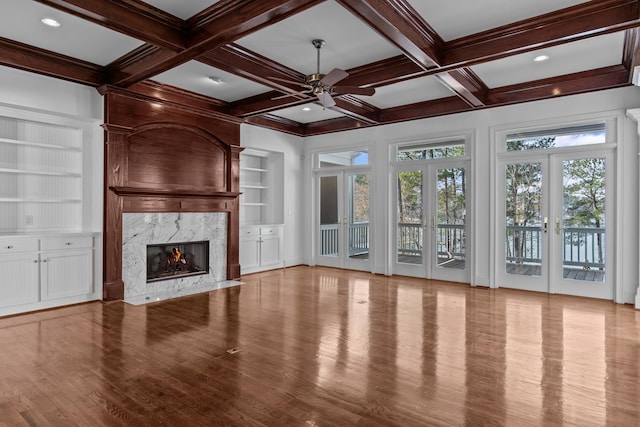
(358, 239)
(582, 246)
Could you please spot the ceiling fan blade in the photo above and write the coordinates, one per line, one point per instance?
(353, 90)
(296, 94)
(334, 77)
(326, 100)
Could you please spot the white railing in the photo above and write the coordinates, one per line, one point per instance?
(358, 239)
(451, 240)
(583, 246)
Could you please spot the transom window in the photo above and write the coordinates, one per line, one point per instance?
(557, 138)
(427, 151)
(344, 158)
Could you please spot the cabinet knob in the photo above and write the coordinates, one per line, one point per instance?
(9, 247)
(68, 243)
(44, 260)
(35, 261)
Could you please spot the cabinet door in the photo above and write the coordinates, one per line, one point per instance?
(66, 273)
(249, 253)
(18, 279)
(270, 250)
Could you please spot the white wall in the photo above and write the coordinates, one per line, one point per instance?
(33, 91)
(292, 147)
(481, 123)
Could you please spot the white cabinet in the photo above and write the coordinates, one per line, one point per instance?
(18, 279)
(45, 271)
(260, 248)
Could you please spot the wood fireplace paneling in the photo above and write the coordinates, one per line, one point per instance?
(166, 157)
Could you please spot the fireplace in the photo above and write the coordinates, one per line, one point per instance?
(173, 260)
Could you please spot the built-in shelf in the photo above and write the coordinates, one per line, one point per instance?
(32, 172)
(260, 173)
(253, 169)
(42, 164)
(39, 145)
(22, 200)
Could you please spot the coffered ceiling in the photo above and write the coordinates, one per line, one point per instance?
(424, 58)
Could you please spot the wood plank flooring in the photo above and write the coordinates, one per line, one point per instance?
(320, 346)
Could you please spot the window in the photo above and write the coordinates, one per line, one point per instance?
(426, 151)
(557, 138)
(345, 158)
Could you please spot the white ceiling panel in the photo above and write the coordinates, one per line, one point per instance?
(408, 92)
(315, 113)
(183, 9)
(563, 59)
(75, 37)
(350, 43)
(472, 16)
(194, 76)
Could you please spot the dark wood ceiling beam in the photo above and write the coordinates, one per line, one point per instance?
(570, 84)
(333, 125)
(29, 58)
(224, 22)
(383, 72)
(132, 17)
(277, 123)
(631, 52)
(588, 19)
(357, 109)
(265, 103)
(399, 23)
(243, 62)
(466, 84)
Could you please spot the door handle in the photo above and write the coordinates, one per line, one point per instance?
(545, 226)
(433, 222)
(558, 227)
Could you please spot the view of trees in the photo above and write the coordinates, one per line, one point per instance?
(451, 209)
(583, 200)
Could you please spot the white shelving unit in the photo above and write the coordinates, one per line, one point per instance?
(41, 175)
(261, 210)
(49, 255)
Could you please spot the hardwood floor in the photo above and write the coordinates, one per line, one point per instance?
(319, 346)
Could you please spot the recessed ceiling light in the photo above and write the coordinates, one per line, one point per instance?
(541, 58)
(306, 109)
(50, 22)
(215, 80)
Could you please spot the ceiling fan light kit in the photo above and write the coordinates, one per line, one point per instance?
(322, 85)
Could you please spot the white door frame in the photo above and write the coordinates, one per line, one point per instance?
(429, 267)
(551, 278)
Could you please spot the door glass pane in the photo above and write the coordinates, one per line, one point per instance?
(523, 217)
(358, 219)
(450, 218)
(583, 222)
(410, 217)
(329, 216)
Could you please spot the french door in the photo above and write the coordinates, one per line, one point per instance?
(343, 227)
(431, 221)
(555, 223)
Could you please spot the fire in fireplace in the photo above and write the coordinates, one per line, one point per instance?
(173, 260)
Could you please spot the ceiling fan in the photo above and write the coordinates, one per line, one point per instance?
(322, 85)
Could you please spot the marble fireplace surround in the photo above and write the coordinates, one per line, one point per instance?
(141, 229)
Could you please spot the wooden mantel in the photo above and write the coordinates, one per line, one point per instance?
(161, 157)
